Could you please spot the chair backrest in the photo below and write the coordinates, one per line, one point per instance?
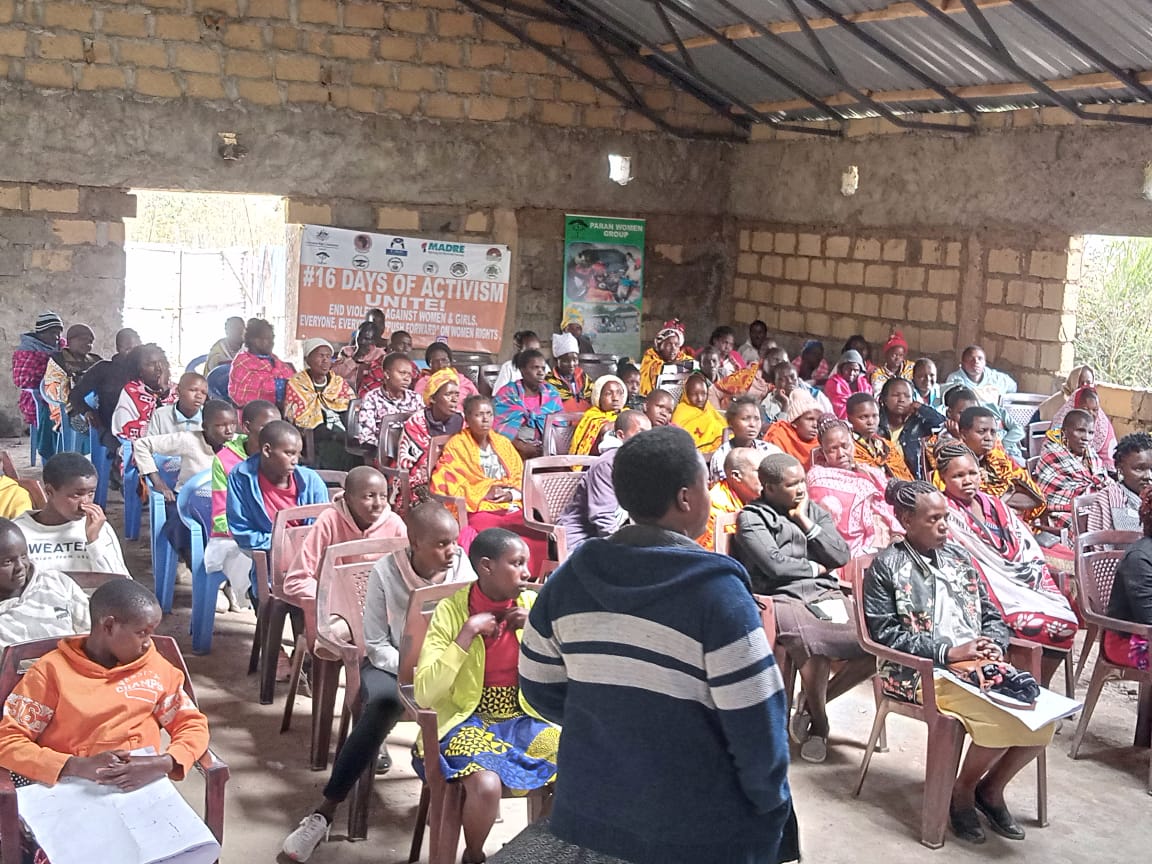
(435, 448)
(1037, 433)
(343, 587)
(1095, 577)
(7, 467)
(1021, 406)
(16, 660)
(849, 571)
(399, 488)
(596, 365)
(1080, 505)
(35, 490)
(90, 580)
(218, 382)
(286, 540)
(723, 530)
(421, 604)
(1090, 541)
(1031, 463)
(196, 363)
(549, 484)
(194, 503)
(767, 617)
(862, 635)
(352, 428)
(558, 431)
(332, 479)
(391, 426)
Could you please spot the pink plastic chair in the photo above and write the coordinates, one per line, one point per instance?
(547, 487)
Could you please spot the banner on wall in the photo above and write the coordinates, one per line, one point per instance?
(604, 280)
(436, 290)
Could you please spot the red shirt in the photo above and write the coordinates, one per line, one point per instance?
(275, 498)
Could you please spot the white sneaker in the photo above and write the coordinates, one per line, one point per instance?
(301, 843)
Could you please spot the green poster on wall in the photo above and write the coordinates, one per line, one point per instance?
(604, 280)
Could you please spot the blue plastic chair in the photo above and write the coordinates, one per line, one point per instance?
(218, 382)
(98, 453)
(133, 509)
(194, 504)
(164, 557)
(33, 427)
(197, 364)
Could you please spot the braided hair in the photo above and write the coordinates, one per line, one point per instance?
(830, 421)
(904, 495)
(949, 451)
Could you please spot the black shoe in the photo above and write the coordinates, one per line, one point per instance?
(1000, 819)
(966, 825)
(383, 763)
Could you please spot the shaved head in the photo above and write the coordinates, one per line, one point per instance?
(773, 466)
(744, 461)
(362, 477)
(190, 378)
(428, 518)
(279, 432)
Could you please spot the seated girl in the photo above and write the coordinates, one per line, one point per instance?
(1007, 556)
(907, 424)
(608, 395)
(795, 432)
(490, 738)
(873, 449)
(64, 369)
(522, 340)
(1117, 507)
(922, 596)
(438, 356)
(318, 399)
(566, 376)
(698, 418)
(149, 388)
(853, 494)
(896, 362)
(846, 381)
(1103, 434)
(630, 375)
(1131, 598)
(439, 417)
(393, 396)
(743, 418)
(256, 372)
(523, 405)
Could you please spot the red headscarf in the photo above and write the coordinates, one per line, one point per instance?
(896, 339)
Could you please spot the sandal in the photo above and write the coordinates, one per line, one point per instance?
(799, 726)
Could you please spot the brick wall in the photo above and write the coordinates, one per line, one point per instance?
(943, 292)
(61, 248)
(426, 58)
(1129, 409)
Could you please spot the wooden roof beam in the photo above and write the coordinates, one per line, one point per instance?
(895, 12)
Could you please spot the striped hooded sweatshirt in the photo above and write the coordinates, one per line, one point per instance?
(650, 653)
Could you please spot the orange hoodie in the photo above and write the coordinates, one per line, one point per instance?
(67, 705)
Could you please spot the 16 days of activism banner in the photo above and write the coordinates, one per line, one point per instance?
(604, 280)
(434, 289)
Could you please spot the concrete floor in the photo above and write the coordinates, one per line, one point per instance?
(1098, 807)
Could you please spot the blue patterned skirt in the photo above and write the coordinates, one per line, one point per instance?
(500, 737)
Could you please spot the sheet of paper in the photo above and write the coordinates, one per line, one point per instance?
(77, 822)
(1050, 706)
(834, 609)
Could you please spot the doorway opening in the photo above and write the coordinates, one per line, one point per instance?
(194, 259)
(1113, 309)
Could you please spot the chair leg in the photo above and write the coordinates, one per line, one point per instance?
(1042, 788)
(945, 741)
(1091, 632)
(1069, 675)
(451, 818)
(421, 824)
(1095, 686)
(270, 651)
(254, 659)
(342, 731)
(293, 682)
(205, 588)
(877, 730)
(361, 798)
(326, 680)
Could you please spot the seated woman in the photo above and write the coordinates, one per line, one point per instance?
(848, 380)
(743, 418)
(1131, 598)
(922, 596)
(522, 340)
(1069, 467)
(811, 365)
(438, 356)
(1088, 400)
(63, 371)
(853, 494)
(256, 372)
(393, 396)
(1117, 507)
(862, 347)
(522, 407)
(896, 363)
(667, 354)
(924, 380)
(1008, 558)
(467, 672)
(566, 376)
(608, 395)
(906, 424)
(785, 381)
(1078, 378)
(790, 548)
(795, 432)
(359, 364)
(871, 447)
(318, 399)
(35, 602)
(698, 418)
(978, 428)
(630, 375)
(439, 417)
(487, 472)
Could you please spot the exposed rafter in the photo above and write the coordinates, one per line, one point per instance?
(895, 12)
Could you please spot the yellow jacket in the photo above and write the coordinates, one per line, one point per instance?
(14, 498)
(449, 680)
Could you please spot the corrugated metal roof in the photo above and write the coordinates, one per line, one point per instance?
(1120, 30)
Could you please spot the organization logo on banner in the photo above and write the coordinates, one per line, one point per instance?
(435, 247)
(360, 262)
(431, 268)
(458, 269)
(396, 247)
(494, 254)
(395, 264)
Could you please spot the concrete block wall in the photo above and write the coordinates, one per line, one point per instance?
(61, 248)
(1016, 298)
(424, 58)
(1129, 409)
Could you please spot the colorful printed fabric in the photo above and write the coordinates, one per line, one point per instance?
(1125, 649)
(855, 501)
(255, 376)
(1115, 508)
(1014, 570)
(467, 388)
(878, 452)
(362, 374)
(145, 402)
(652, 366)
(512, 411)
(227, 458)
(377, 405)
(29, 361)
(1063, 477)
(1103, 435)
(880, 375)
(460, 471)
(783, 435)
(575, 394)
(721, 500)
(61, 375)
(306, 405)
(706, 425)
(588, 431)
(747, 381)
(415, 442)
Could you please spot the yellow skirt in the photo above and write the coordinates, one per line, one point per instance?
(987, 725)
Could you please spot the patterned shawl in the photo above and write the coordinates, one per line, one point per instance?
(256, 376)
(306, 402)
(1103, 436)
(855, 500)
(1063, 476)
(589, 429)
(783, 435)
(415, 442)
(61, 375)
(881, 453)
(721, 500)
(652, 364)
(459, 472)
(29, 361)
(512, 412)
(146, 402)
(706, 425)
(880, 375)
(575, 393)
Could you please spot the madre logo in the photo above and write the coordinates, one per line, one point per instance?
(433, 247)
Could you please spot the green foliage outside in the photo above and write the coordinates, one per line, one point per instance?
(198, 220)
(1114, 318)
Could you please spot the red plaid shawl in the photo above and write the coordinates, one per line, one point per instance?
(1063, 476)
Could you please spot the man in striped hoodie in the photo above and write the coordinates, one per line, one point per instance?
(649, 651)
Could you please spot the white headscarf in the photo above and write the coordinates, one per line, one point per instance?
(564, 343)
